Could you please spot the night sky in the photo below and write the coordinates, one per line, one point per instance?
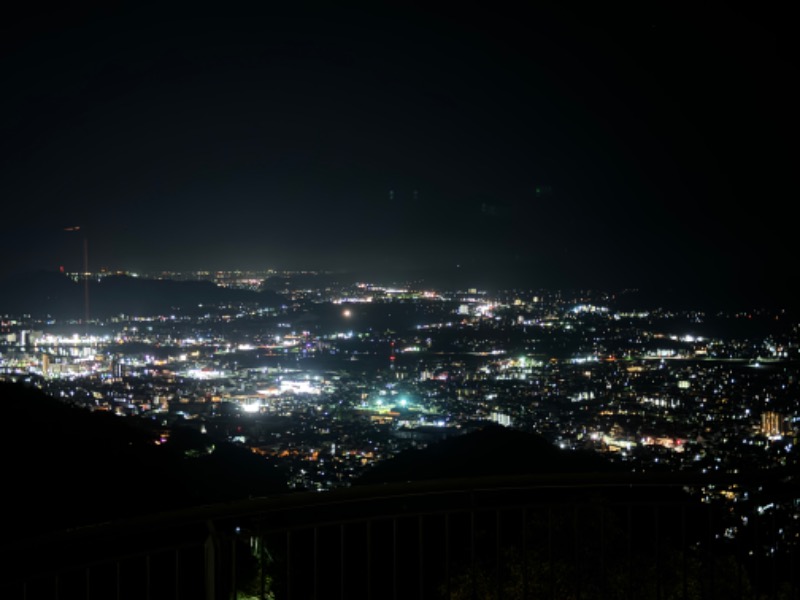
(548, 147)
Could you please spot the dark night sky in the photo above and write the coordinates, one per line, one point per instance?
(396, 138)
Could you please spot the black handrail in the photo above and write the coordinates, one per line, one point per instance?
(536, 529)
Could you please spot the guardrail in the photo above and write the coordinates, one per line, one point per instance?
(504, 538)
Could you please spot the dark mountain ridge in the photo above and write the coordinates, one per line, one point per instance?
(49, 293)
(487, 452)
(67, 467)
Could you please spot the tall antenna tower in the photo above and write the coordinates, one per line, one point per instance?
(85, 273)
(85, 279)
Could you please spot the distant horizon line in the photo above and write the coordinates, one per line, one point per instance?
(459, 278)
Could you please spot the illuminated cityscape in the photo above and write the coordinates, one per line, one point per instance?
(328, 381)
(313, 300)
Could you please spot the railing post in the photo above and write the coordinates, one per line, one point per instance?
(684, 552)
(369, 559)
(525, 553)
(447, 554)
(576, 548)
(498, 588)
(472, 566)
(147, 577)
(263, 563)
(210, 562)
(550, 558)
(711, 549)
(342, 563)
(315, 559)
(421, 545)
(288, 564)
(629, 536)
(394, 558)
(234, 594)
(656, 535)
(603, 575)
(177, 574)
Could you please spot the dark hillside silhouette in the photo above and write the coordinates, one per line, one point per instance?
(490, 451)
(67, 467)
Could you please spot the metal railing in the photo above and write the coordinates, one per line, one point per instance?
(558, 537)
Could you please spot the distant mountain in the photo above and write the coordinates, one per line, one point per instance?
(41, 292)
(309, 280)
(45, 292)
(67, 467)
(490, 451)
(708, 297)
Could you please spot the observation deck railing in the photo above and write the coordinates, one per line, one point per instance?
(558, 537)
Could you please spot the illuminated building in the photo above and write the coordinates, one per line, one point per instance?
(772, 424)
